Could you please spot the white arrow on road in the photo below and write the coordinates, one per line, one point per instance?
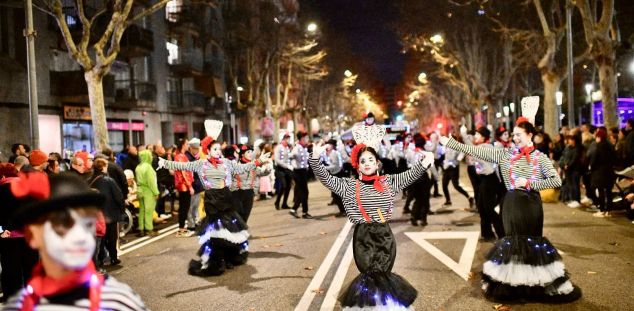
(463, 267)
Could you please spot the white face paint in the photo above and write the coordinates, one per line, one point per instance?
(368, 164)
(215, 151)
(73, 249)
(248, 155)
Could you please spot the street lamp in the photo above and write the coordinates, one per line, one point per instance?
(240, 89)
(422, 78)
(559, 97)
(312, 27)
(512, 106)
(437, 39)
(347, 73)
(589, 87)
(357, 91)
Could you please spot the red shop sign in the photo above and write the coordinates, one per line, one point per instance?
(179, 127)
(126, 126)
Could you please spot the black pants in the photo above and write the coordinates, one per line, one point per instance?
(420, 192)
(605, 198)
(184, 200)
(474, 178)
(160, 203)
(285, 178)
(111, 238)
(17, 260)
(438, 165)
(300, 195)
(486, 201)
(452, 174)
(409, 194)
(336, 198)
(244, 202)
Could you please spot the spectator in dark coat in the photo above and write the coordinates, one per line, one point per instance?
(602, 171)
(628, 147)
(571, 165)
(165, 182)
(132, 160)
(112, 207)
(115, 172)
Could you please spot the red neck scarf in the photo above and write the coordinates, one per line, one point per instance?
(284, 143)
(214, 161)
(505, 144)
(244, 160)
(43, 285)
(524, 152)
(378, 181)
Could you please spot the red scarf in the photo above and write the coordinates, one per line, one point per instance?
(524, 152)
(43, 286)
(214, 161)
(378, 181)
(505, 144)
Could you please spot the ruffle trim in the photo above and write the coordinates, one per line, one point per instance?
(561, 290)
(386, 307)
(378, 290)
(528, 250)
(515, 274)
(233, 237)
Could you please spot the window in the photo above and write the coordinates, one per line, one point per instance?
(172, 50)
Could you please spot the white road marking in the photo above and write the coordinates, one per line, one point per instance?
(148, 241)
(140, 240)
(337, 281)
(463, 267)
(309, 295)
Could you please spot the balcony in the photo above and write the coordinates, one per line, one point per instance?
(187, 101)
(189, 63)
(71, 86)
(183, 19)
(137, 42)
(134, 94)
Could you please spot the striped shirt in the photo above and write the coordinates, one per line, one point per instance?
(114, 296)
(246, 179)
(545, 178)
(282, 157)
(211, 177)
(300, 157)
(371, 200)
(333, 161)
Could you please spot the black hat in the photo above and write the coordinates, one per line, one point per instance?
(484, 132)
(332, 142)
(244, 148)
(65, 190)
(301, 134)
(286, 135)
(369, 115)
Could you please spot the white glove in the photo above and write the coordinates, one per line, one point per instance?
(428, 159)
(318, 149)
(265, 157)
(161, 163)
(444, 140)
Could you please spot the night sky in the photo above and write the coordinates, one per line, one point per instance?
(365, 26)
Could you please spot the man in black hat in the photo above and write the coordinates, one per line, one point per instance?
(299, 157)
(283, 171)
(58, 214)
(369, 119)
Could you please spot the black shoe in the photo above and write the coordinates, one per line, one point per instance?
(487, 239)
(423, 222)
(414, 222)
(277, 206)
(115, 262)
(447, 203)
(294, 213)
(472, 204)
(307, 216)
(436, 195)
(140, 234)
(286, 207)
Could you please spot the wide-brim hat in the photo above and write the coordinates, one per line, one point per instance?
(40, 194)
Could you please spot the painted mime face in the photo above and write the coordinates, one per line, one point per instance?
(248, 155)
(215, 151)
(521, 138)
(368, 164)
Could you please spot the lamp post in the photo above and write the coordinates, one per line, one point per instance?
(311, 28)
(347, 73)
(559, 96)
(589, 87)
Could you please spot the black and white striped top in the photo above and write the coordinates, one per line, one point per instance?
(371, 199)
(545, 178)
(114, 296)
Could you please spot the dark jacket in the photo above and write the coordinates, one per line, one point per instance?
(163, 176)
(197, 184)
(8, 207)
(602, 165)
(131, 162)
(115, 172)
(628, 149)
(114, 203)
(571, 159)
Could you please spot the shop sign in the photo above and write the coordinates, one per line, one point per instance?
(77, 113)
(179, 127)
(126, 126)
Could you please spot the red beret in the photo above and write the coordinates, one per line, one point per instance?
(37, 157)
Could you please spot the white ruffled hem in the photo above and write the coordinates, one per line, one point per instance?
(516, 274)
(233, 237)
(386, 307)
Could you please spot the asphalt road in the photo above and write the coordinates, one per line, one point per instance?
(300, 262)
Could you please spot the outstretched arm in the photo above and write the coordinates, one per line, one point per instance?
(181, 166)
(493, 155)
(404, 179)
(334, 184)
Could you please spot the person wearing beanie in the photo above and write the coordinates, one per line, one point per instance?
(38, 160)
(299, 157)
(523, 265)
(602, 175)
(242, 184)
(147, 193)
(283, 172)
(223, 235)
(58, 216)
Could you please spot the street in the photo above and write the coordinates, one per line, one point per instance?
(300, 264)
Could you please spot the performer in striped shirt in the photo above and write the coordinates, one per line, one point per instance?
(523, 265)
(368, 201)
(59, 215)
(243, 183)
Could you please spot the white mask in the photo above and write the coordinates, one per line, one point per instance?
(75, 248)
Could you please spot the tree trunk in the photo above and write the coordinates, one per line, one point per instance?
(552, 82)
(253, 116)
(607, 82)
(97, 109)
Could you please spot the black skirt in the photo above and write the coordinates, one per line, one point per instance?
(524, 265)
(223, 236)
(374, 250)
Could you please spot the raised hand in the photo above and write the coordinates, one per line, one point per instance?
(428, 159)
(265, 157)
(318, 149)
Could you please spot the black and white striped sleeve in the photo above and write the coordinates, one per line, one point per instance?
(193, 166)
(549, 177)
(335, 184)
(404, 179)
(493, 155)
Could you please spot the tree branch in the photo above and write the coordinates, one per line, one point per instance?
(148, 11)
(81, 56)
(85, 26)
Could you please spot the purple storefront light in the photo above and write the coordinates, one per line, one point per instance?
(625, 108)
